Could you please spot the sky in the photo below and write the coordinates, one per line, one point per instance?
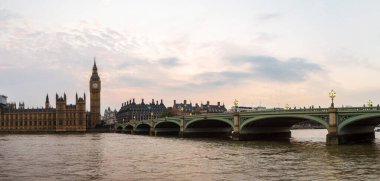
(268, 53)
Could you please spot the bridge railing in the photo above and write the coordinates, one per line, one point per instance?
(310, 109)
(358, 109)
(287, 110)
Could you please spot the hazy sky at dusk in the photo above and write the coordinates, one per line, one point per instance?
(260, 52)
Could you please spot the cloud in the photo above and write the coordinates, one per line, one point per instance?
(169, 62)
(133, 81)
(260, 68)
(269, 16)
(265, 37)
(270, 68)
(6, 15)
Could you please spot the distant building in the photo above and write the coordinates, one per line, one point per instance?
(109, 117)
(130, 111)
(208, 108)
(184, 108)
(48, 119)
(180, 109)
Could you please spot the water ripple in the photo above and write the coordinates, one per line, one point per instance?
(132, 157)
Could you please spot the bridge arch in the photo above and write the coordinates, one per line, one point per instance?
(167, 127)
(128, 128)
(167, 121)
(371, 120)
(142, 128)
(142, 125)
(208, 127)
(299, 117)
(273, 126)
(119, 129)
(216, 119)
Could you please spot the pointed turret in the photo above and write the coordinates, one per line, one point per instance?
(94, 68)
(95, 76)
(47, 103)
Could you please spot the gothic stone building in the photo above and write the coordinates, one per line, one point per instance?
(130, 111)
(109, 116)
(64, 117)
(48, 119)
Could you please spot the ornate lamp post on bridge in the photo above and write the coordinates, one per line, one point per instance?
(370, 104)
(287, 107)
(332, 95)
(236, 102)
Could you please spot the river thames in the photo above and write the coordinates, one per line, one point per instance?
(110, 156)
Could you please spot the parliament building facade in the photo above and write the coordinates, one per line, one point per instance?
(63, 118)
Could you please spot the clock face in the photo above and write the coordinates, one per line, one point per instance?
(95, 85)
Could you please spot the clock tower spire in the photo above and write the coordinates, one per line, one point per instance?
(94, 98)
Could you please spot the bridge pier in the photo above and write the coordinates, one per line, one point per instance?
(152, 131)
(332, 135)
(235, 135)
(182, 127)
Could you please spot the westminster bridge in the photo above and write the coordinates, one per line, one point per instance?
(344, 125)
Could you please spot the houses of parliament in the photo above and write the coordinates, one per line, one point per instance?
(63, 118)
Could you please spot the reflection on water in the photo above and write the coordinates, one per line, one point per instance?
(131, 157)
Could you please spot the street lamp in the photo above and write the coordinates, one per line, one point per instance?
(151, 115)
(236, 102)
(369, 103)
(332, 95)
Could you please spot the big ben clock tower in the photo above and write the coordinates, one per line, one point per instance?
(95, 86)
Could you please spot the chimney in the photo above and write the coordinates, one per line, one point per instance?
(175, 102)
(218, 103)
(133, 100)
(152, 101)
(161, 102)
(184, 102)
(208, 103)
(157, 103)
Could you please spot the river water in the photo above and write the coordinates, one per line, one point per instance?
(110, 156)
